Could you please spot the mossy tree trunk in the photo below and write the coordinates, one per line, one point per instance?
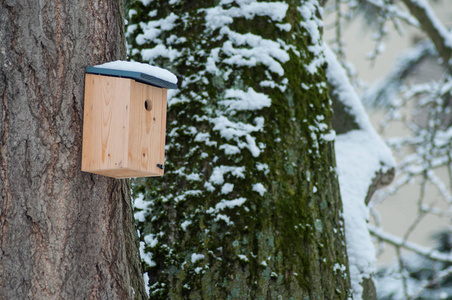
(249, 206)
(64, 234)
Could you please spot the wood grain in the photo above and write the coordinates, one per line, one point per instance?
(121, 138)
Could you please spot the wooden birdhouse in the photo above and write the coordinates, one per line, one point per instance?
(125, 119)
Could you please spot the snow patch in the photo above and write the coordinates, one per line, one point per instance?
(218, 173)
(160, 51)
(218, 17)
(259, 188)
(224, 218)
(260, 51)
(146, 256)
(243, 257)
(195, 257)
(249, 100)
(139, 203)
(226, 204)
(146, 283)
(313, 26)
(227, 188)
(234, 131)
(146, 2)
(151, 240)
(140, 67)
(185, 224)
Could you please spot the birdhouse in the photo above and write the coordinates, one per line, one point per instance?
(125, 119)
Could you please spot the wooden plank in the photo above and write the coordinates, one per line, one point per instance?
(105, 134)
(124, 173)
(115, 101)
(90, 158)
(135, 151)
(163, 130)
(145, 130)
(156, 130)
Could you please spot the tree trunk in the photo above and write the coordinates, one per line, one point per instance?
(249, 206)
(64, 234)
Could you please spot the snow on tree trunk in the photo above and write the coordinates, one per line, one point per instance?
(249, 206)
(364, 164)
(64, 234)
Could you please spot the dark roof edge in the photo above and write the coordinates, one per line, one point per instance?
(138, 76)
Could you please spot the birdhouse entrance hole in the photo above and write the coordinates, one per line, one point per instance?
(148, 105)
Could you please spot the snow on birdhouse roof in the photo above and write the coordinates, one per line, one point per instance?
(139, 71)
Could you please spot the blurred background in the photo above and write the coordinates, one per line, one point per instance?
(398, 212)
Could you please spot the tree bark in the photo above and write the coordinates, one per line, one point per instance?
(249, 207)
(64, 234)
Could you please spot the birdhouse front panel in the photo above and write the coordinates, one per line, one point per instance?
(147, 130)
(124, 127)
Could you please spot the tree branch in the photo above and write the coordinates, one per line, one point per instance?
(431, 25)
(435, 280)
(394, 12)
(400, 243)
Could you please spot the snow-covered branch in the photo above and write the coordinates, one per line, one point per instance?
(385, 91)
(401, 243)
(435, 281)
(362, 160)
(432, 26)
(393, 11)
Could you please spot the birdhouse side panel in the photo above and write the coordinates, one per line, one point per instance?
(90, 158)
(105, 136)
(147, 128)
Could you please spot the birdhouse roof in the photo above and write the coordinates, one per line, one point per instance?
(144, 73)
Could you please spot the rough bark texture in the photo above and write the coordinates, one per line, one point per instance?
(64, 234)
(208, 231)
